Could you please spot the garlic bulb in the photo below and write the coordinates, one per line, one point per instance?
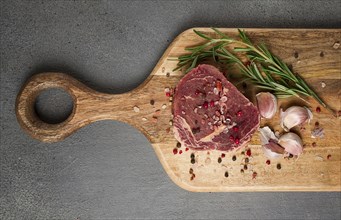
(291, 143)
(269, 142)
(267, 104)
(295, 115)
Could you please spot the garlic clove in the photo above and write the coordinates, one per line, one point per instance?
(295, 115)
(266, 135)
(267, 150)
(267, 104)
(269, 142)
(291, 143)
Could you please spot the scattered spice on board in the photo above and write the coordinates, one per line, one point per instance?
(219, 160)
(248, 152)
(175, 151)
(190, 170)
(329, 156)
(336, 45)
(167, 130)
(268, 162)
(154, 119)
(234, 158)
(247, 160)
(178, 145)
(152, 102)
(241, 170)
(323, 84)
(296, 54)
(136, 109)
(254, 175)
(279, 166)
(314, 144)
(245, 167)
(187, 149)
(192, 161)
(193, 176)
(157, 112)
(144, 119)
(222, 155)
(318, 109)
(164, 106)
(167, 74)
(167, 92)
(180, 151)
(226, 174)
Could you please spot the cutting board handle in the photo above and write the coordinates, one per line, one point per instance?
(88, 106)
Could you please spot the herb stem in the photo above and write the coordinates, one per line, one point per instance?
(284, 83)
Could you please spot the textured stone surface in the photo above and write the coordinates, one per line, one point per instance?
(108, 169)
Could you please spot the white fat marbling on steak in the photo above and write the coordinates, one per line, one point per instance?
(203, 100)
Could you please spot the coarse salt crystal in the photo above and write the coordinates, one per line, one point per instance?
(223, 99)
(215, 91)
(323, 84)
(136, 109)
(164, 106)
(144, 119)
(336, 45)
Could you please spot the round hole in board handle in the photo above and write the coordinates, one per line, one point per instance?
(53, 106)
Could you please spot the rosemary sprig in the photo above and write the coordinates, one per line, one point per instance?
(264, 69)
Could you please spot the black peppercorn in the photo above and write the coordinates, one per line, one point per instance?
(219, 160)
(234, 158)
(226, 174)
(192, 156)
(192, 161)
(152, 102)
(279, 166)
(178, 145)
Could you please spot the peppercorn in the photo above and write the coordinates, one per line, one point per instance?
(192, 161)
(178, 145)
(152, 102)
(219, 160)
(279, 166)
(226, 174)
(192, 155)
(234, 158)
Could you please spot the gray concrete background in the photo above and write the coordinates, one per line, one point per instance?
(108, 169)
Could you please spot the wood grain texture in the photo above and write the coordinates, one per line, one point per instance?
(317, 62)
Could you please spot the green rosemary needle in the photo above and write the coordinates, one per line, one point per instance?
(264, 69)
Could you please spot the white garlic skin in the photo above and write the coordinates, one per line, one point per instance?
(291, 143)
(295, 115)
(267, 104)
(269, 142)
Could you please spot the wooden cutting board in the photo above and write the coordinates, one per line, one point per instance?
(314, 54)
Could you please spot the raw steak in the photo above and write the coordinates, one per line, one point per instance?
(210, 113)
